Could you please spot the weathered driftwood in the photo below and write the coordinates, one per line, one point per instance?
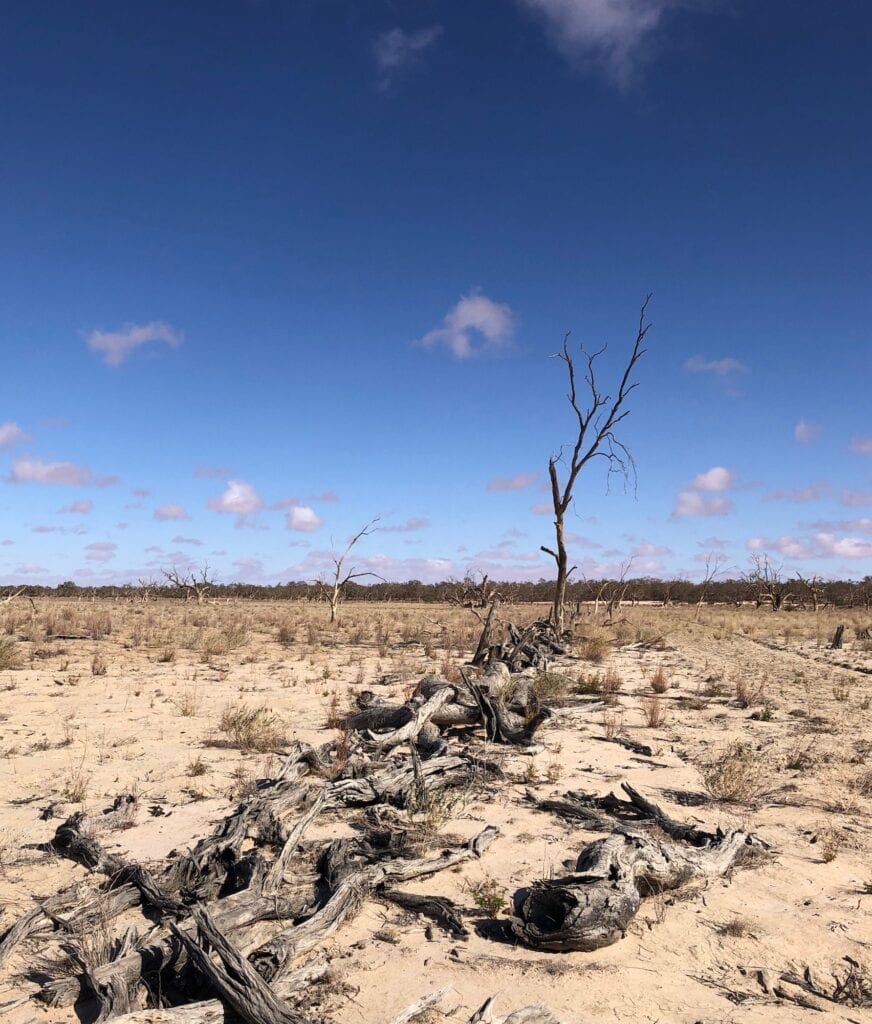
(421, 1006)
(628, 744)
(536, 1014)
(412, 728)
(274, 957)
(235, 980)
(439, 909)
(209, 1011)
(594, 907)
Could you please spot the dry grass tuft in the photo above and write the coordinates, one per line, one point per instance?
(10, 656)
(654, 711)
(737, 775)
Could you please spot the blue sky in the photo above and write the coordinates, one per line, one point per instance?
(274, 268)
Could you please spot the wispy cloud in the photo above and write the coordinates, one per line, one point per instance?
(116, 346)
(518, 482)
(855, 498)
(806, 433)
(616, 37)
(814, 492)
(11, 435)
(721, 367)
(303, 519)
(239, 499)
(328, 496)
(69, 474)
(102, 551)
(164, 513)
(212, 472)
(187, 540)
(861, 445)
(862, 525)
(412, 524)
(473, 316)
(397, 51)
(77, 508)
(75, 530)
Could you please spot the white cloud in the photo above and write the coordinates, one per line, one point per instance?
(692, 503)
(718, 478)
(163, 513)
(11, 434)
(790, 547)
(116, 346)
(238, 499)
(178, 539)
(861, 445)
(518, 482)
(615, 36)
(805, 432)
(844, 547)
(473, 315)
(396, 50)
(542, 509)
(70, 474)
(303, 519)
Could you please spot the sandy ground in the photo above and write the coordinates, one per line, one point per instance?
(71, 739)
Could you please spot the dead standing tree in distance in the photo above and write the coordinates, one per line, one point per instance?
(714, 562)
(196, 583)
(596, 438)
(771, 588)
(334, 591)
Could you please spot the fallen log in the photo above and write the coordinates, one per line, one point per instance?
(593, 907)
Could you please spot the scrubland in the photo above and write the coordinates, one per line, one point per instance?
(751, 720)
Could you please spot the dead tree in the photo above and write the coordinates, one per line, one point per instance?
(147, 587)
(813, 587)
(713, 568)
(770, 587)
(334, 590)
(196, 584)
(596, 421)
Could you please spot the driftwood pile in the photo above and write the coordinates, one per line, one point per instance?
(232, 922)
(532, 646)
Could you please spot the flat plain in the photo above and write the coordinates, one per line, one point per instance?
(751, 721)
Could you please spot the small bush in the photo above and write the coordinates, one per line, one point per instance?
(252, 728)
(738, 775)
(594, 648)
(550, 684)
(98, 665)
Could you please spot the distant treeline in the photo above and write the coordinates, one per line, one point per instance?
(841, 593)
